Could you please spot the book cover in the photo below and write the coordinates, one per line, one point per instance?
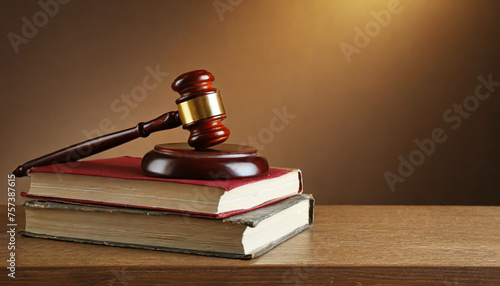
(250, 219)
(128, 168)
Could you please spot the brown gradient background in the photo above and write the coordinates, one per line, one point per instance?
(352, 120)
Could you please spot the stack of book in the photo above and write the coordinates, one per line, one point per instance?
(112, 202)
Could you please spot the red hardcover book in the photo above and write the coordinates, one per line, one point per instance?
(121, 182)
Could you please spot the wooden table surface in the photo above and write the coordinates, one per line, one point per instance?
(355, 245)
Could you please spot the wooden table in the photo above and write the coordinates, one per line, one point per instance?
(356, 245)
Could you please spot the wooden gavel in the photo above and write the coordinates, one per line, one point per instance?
(200, 110)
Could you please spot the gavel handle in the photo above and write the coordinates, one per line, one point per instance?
(93, 146)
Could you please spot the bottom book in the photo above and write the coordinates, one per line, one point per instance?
(243, 236)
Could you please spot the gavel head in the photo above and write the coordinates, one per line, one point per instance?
(200, 109)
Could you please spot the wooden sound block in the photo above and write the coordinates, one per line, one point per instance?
(224, 161)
